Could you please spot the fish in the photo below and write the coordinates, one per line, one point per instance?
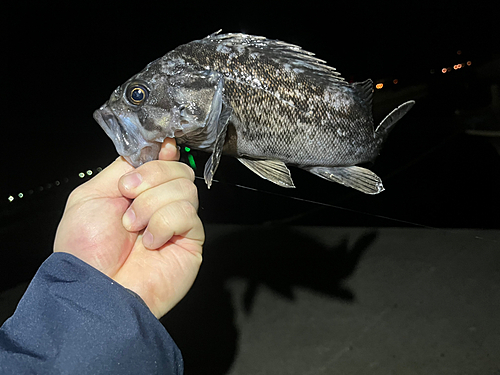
(268, 103)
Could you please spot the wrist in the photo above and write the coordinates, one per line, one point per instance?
(143, 293)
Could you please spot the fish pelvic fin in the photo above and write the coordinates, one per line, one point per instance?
(273, 170)
(358, 178)
(392, 118)
(220, 113)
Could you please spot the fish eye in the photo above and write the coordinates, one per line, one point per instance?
(137, 94)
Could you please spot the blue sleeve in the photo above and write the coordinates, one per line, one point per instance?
(74, 319)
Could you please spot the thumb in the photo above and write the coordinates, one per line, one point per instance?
(169, 150)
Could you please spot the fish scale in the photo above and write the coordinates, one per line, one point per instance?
(284, 123)
(268, 103)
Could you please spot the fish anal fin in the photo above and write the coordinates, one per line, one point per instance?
(273, 170)
(358, 178)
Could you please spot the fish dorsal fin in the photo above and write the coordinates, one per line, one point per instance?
(287, 55)
(273, 170)
(214, 34)
(365, 92)
(358, 178)
(390, 120)
(219, 113)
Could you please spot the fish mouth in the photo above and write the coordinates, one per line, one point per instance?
(124, 131)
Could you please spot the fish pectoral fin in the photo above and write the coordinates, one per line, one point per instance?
(273, 170)
(358, 178)
(219, 115)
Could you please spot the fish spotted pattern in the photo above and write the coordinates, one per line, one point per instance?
(268, 103)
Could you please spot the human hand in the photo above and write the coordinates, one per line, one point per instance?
(158, 255)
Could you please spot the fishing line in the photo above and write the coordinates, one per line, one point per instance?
(452, 231)
(395, 172)
(324, 204)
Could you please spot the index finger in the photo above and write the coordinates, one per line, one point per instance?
(152, 174)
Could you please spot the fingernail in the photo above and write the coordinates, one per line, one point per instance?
(147, 239)
(128, 218)
(132, 180)
(171, 146)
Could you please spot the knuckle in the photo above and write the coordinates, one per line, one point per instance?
(167, 170)
(150, 201)
(188, 189)
(161, 218)
(186, 209)
(188, 170)
(155, 167)
(179, 211)
(76, 194)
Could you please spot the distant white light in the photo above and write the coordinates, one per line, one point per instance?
(89, 172)
(81, 175)
(20, 195)
(57, 183)
(10, 198)
(99, 169)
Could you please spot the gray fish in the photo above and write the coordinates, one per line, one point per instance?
(268, 103)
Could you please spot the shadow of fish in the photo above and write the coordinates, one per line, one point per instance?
(268, 103)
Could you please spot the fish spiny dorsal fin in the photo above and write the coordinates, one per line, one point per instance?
(365, 92)
(392, 118)
(213, 34)
(288, 55)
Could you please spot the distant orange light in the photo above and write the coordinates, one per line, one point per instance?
(395, 81)
(469, 63)
(379, 85)
(459, 52)
(455, 67)
(444, 70)
(449, 69)
(460, 66)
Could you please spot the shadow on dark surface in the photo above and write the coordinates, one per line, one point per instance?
(275, 257)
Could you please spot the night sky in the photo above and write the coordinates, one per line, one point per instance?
(62, 62)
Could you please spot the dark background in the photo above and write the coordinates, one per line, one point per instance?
(61, 62)
(440, 165)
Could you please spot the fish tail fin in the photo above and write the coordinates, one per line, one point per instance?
(392, 118)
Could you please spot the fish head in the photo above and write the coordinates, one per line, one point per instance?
(152, 106)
